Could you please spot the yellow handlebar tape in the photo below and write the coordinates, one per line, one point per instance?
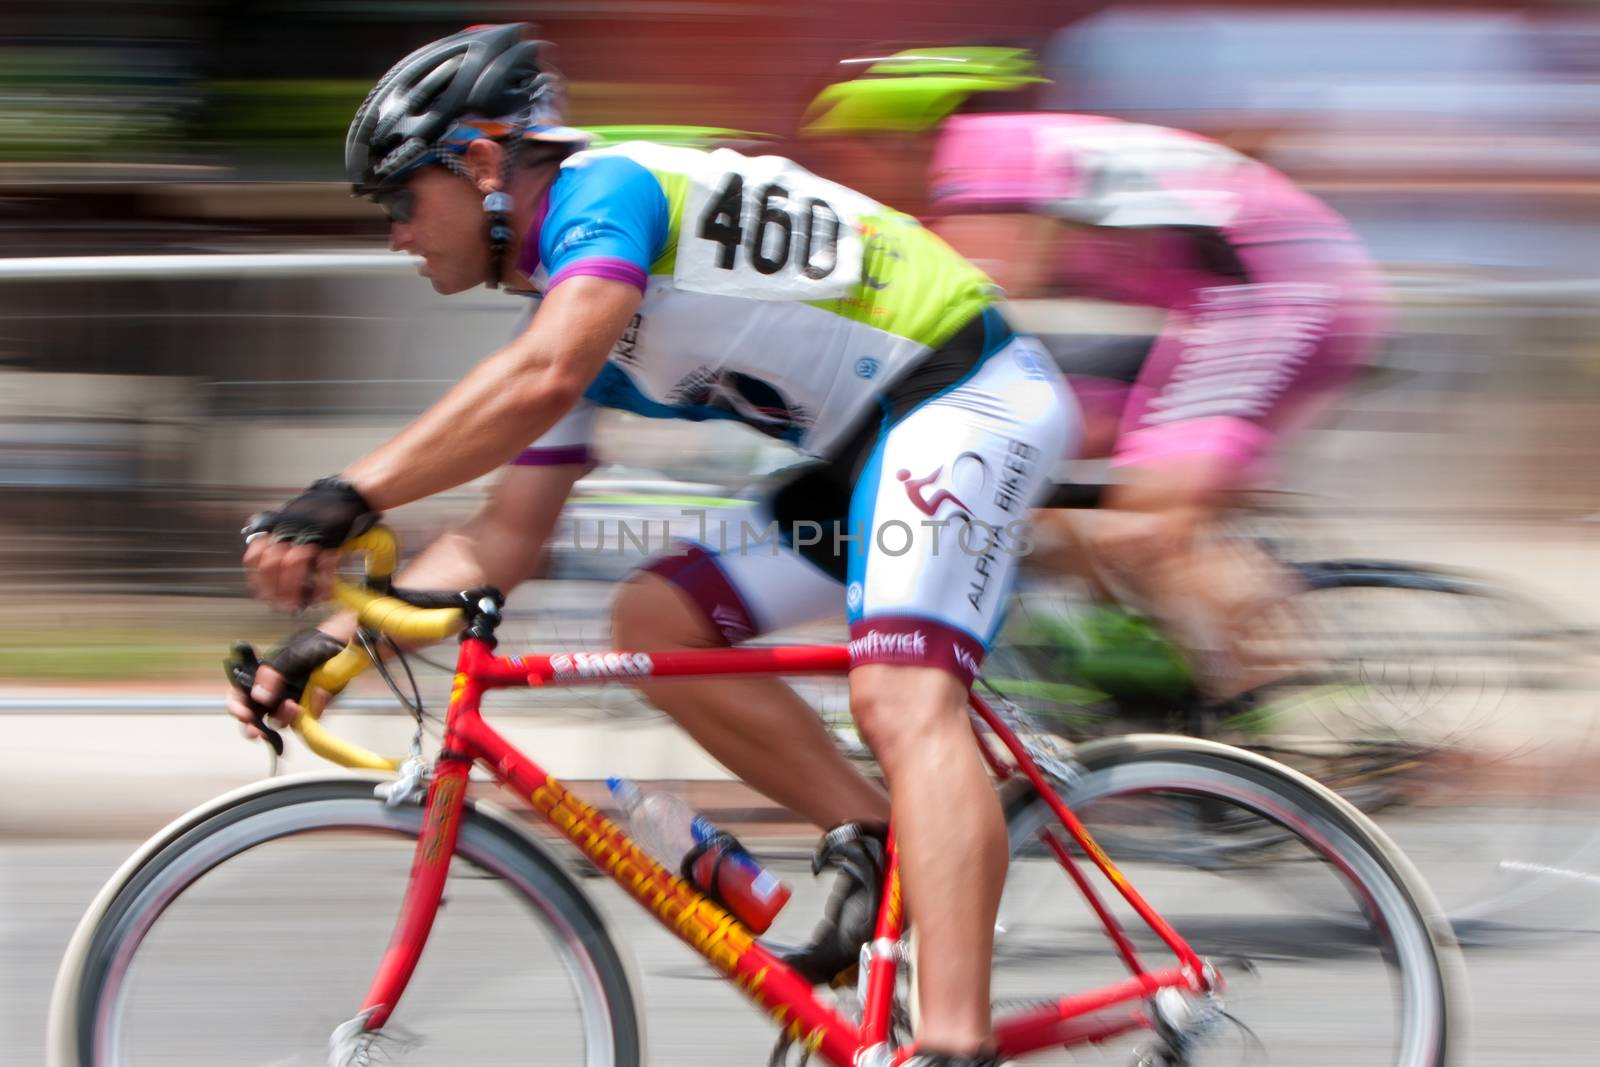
(334, 749)
(381, 548)
(384, 614)
(331, 678)
(397, 618)
(334, 675)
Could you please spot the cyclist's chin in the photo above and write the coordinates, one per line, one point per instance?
(446, 283)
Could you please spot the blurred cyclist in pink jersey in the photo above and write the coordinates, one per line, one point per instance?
(1270, 300)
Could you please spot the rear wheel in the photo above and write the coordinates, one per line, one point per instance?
(1374, 984)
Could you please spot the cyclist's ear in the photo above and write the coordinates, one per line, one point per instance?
(485, 161)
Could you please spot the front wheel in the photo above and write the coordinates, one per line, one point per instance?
(1375, 984)
(246, 932)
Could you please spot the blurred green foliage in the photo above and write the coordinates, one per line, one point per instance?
(75, 104)
(297, 124)
(96, 655)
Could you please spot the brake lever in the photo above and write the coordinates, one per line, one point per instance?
(240, 668)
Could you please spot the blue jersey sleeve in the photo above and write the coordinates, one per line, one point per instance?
(607, 219)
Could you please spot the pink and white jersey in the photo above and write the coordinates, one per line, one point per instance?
(1145, 188)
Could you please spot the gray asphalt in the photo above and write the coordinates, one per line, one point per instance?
(260, 969)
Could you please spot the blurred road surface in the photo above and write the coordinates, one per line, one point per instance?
(1533, 1000)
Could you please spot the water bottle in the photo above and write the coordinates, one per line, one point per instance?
(669, 830)
(662, 823)
(748, 890)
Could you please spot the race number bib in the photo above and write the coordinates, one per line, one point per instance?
(767, 229)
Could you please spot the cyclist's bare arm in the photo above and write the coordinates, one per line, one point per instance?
(509, 399)
(501, 546)
(504, 402)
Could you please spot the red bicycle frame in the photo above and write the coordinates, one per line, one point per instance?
(701, 923)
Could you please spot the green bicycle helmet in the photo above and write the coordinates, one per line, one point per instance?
(916, 89)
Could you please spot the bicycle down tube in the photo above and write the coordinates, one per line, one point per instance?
(697, 920)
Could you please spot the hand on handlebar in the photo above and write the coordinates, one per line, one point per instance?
(274, 688)
(298, 678)
(291, 553)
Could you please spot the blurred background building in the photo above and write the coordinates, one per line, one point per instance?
(145, 407)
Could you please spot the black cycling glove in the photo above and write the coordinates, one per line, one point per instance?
(327, 514)
(295, 659)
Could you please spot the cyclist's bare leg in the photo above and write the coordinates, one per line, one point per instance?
(758, 728)
(1160, 544)
(951, 838)
(1061, 547)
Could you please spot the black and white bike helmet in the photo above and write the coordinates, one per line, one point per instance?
(486, 81)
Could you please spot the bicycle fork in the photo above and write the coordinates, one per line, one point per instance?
(424, 891)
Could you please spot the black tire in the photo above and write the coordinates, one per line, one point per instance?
(83, 1006)
(1407, 931)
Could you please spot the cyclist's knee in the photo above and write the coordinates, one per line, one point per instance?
(650, 612)
(899, 710)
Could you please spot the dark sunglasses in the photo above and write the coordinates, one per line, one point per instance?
(399, 205)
